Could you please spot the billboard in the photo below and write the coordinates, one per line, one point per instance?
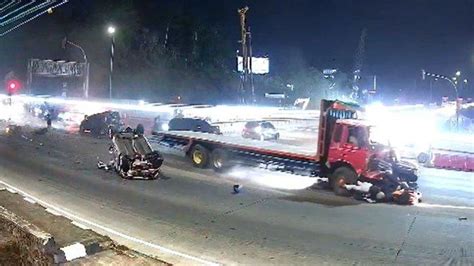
(260, 65)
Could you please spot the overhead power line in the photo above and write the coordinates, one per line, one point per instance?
(16, 13)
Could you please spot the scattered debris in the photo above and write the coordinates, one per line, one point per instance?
(41, 131)
(237, 188)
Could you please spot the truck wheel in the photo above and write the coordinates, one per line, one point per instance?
(199, 156)
(341, 177)
(219, 160)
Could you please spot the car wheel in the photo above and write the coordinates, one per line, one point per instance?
(277, 136)
(140, 130)
(124, 166)
(343, 176)
(111, 132)
(199, 156)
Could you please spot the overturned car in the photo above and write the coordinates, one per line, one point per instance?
(133, 157)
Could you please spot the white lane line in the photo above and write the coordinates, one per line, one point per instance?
(80, 225)
(110, 230)
(30, 200)
(11, 190)
(427, 205)
(53, 212)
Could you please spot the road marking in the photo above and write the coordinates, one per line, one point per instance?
(30, 200)
(74, 251)
(427, 205)
(80, 225)
(11, 190)
(108, 230)
(53, 212)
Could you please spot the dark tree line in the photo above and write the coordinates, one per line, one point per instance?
(163, 50)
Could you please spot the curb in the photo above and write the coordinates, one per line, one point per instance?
(45, 242)
(76, 251)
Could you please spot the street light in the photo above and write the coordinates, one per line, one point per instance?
(458, 73)
(65, 41)
(465, 81)
(111, 32)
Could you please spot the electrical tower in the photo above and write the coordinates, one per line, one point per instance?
(358, 64)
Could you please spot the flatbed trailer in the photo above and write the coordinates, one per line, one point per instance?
(223, 151)
(344, 152)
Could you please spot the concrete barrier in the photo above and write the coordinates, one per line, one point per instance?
(35, 246)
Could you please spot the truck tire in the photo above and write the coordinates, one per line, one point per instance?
(219, 160)
(342, 176)
(199, 156)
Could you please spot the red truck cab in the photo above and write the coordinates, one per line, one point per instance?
(348, 153)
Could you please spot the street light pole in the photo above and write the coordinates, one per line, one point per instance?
(450, 80)
(111, 31)
(86, 66)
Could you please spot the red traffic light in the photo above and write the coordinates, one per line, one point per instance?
(13, 86)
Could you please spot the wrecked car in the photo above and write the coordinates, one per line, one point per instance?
(101, 124)
(133, 157)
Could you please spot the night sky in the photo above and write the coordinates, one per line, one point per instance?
(403, 36)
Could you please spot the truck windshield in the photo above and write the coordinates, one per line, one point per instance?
(357, 137)
(377, 136)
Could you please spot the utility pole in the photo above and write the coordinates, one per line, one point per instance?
(245, 62)
(252, 88)
(111, 31)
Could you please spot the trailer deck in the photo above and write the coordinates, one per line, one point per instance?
(269, 147)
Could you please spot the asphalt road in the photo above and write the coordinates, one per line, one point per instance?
(194, 211)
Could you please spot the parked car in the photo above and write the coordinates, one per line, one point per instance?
(192, 124)
(101, 124)
(262, 130)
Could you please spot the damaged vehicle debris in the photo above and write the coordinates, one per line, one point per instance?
(133, 157)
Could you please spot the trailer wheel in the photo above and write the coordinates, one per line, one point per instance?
(219, 160)
(200, 156)
(342, 176)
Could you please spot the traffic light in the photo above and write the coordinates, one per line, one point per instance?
(13, 86)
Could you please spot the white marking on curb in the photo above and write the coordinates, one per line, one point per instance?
(80, 225)
(51, 208)
(29, 200)
(74, 251)
(427, 205)
(53, 212)
(11, 190)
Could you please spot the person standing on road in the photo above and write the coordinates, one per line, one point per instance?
(48, 120)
